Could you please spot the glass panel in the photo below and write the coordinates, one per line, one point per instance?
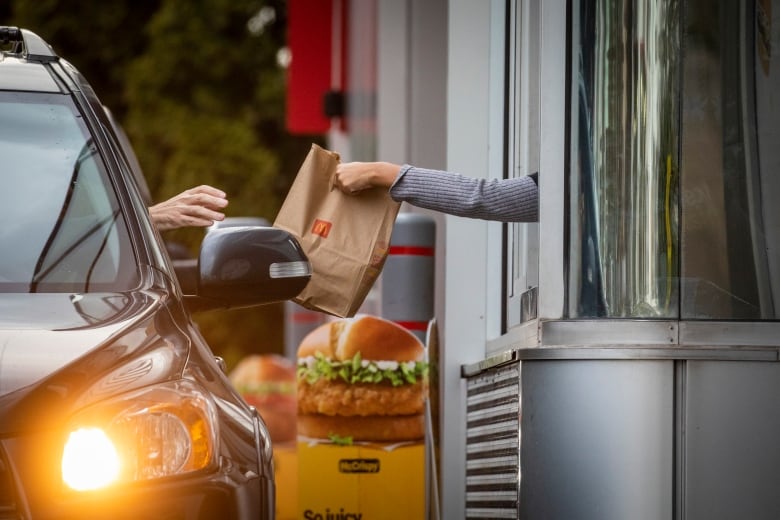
(522, 156)
(625, 135)
(63, 230)
(731, 160)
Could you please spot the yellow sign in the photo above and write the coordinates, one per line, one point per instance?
(361, 482)
(286, 476)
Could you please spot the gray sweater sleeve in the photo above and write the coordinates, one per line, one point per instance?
(506, 200)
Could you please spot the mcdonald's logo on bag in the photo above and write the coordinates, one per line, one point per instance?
(321, 227)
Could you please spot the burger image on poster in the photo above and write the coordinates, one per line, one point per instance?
(267, 382)
(361, 379)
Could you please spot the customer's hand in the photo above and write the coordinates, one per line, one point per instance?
(354, 177)
(198, 207)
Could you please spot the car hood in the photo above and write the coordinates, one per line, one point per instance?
(40, 333)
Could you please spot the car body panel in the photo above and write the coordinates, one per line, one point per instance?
(18, 75)
(76, 349)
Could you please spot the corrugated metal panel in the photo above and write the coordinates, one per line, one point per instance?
(493, 443)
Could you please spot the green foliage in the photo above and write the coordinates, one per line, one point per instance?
(192, 110)
(234, 334)
(98, 37)
(196, 85)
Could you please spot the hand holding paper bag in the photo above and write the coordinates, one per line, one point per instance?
(346, 238)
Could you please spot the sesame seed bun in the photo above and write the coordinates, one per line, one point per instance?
(374, 338)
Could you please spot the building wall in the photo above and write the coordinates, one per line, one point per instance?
(439, 104)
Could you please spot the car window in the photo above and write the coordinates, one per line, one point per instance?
(132, 160)
(63, 229)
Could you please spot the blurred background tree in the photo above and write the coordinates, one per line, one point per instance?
(200, 90)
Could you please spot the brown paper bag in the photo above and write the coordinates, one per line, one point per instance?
(346, 237)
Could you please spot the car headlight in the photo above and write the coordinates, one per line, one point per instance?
(164, 430)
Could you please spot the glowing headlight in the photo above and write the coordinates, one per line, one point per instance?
(161, 431)
(89, 460)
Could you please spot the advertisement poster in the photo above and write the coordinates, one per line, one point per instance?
(362, 390)
(349, 441)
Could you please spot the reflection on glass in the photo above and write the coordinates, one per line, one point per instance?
(731, 161)
(624, 253)
(63, 231)
(624, 249)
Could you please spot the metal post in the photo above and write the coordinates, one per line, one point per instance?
(298, 321)
(408, 274)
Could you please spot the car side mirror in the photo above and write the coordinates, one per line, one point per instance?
(246, 266)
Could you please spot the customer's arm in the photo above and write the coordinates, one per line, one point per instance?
(200, 207)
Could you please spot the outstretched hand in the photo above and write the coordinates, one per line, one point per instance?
(197, 207)
(353, 177)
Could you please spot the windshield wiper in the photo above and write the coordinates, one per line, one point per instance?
(40, 273)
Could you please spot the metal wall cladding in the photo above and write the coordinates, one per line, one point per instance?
(493, 443)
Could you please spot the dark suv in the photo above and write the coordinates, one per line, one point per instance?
(111, 403)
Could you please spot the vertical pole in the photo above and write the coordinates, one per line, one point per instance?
(298, 321)
(408, 274)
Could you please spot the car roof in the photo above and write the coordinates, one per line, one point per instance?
(18, 74)
(21, 66)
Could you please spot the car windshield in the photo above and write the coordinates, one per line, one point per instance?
(63, 229)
